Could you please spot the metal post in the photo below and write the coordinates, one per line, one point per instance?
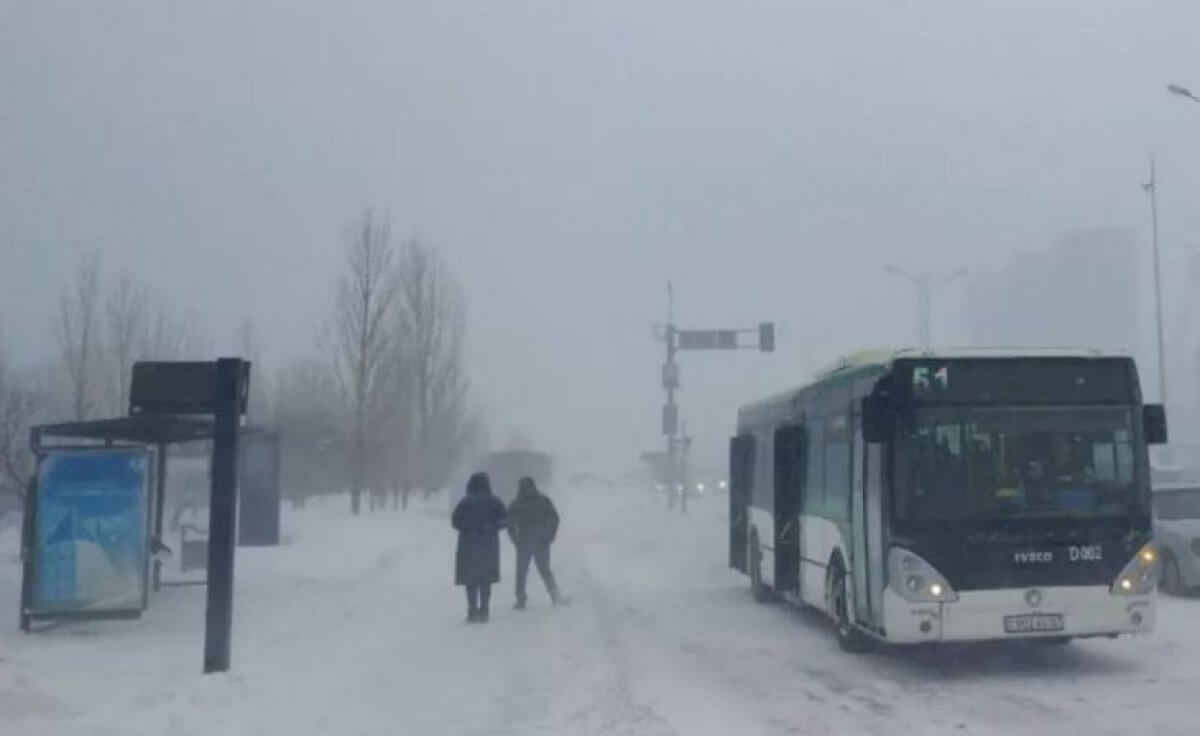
(923, 285)
(672, 475)
(29, 533)
(1152, 189)
(222, 520)
(28, 555)
(683, 475)
(160, 498)
(923, 309)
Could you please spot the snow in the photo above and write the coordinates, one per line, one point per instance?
(352, 627)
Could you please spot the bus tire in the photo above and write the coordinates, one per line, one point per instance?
(758, 589)
(849, 637)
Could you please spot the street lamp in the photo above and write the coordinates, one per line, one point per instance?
(1151, 188)
(1182, 91)
(922, 282)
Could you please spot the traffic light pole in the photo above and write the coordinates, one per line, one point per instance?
(670, 409)
(676, 340)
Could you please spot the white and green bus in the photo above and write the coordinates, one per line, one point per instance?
(961, 495)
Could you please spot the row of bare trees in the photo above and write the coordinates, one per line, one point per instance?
(383, 408)
(101, 333)
(393, 399)
(19, 402)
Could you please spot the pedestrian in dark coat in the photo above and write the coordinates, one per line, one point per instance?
(532, 526)
(478, 517)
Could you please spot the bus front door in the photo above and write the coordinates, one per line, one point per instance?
(789, 498)
(866, 524)
(741, 467)
(858, 527)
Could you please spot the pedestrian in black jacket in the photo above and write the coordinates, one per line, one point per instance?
(478, 517)
(532, 526)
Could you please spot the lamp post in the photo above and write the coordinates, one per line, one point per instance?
(922, 282)
(1151, 188)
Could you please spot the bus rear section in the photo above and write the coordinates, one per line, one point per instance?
(1011, 500)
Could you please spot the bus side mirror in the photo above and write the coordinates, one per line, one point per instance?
(878, 420)
(1154, 424)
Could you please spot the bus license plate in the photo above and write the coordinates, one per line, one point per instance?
(1031, 622)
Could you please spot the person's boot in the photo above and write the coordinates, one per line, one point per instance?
(472, 616)
(520, 604)
(482, 616)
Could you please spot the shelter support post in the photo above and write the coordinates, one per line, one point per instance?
(222, 522)
(160, 497)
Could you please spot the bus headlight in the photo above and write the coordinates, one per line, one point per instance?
(723, 485)
(1137, 577)
(915, 580)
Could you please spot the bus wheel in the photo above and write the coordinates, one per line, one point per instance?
(850, 639)
(758, 588)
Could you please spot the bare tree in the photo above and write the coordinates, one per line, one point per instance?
(78, 335)
(19, 402)
(366, 294)
(394, 410)
(309, 415)
(167, 337)
(260, 392)
(431, 327)
(125, 308)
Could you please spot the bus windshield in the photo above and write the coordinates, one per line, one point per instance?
(1003, 462)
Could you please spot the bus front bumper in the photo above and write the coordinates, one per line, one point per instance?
(980, 615)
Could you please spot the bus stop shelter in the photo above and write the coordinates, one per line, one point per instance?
(258, 499)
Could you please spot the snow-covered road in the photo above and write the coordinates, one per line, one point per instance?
(353, 628)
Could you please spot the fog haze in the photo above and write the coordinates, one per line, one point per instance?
(566, 159)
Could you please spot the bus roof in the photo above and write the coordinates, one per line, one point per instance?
(878, 361)
(884, 357)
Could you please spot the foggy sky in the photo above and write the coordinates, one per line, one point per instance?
(566, 158)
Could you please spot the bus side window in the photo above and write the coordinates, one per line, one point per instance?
(762, 494)
(837, 465)
(814, 484)
(741, 474)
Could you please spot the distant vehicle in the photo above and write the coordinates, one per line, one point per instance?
(507, 467)
(586, 478)
(695, 486)
(1165, 475)
(708, 484)
(1177, 534)
(966, 495)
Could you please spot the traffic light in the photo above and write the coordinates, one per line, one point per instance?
(766, 337)
(670, 419)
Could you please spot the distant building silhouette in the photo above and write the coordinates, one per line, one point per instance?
(1082, 292)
